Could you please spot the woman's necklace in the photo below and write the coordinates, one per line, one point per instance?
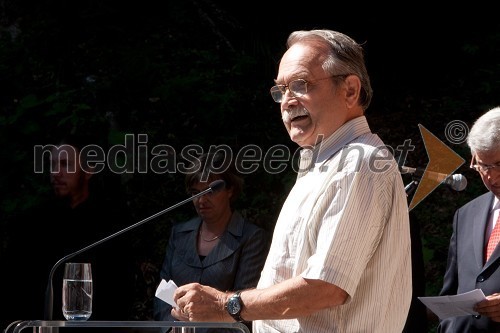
(208, 240)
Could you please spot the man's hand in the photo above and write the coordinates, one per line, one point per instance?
(490, 307)
(196, 302)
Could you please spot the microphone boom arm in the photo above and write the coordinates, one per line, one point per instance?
(49, 292)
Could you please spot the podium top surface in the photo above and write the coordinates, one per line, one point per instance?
(16, 327)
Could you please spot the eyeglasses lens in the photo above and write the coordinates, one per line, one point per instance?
(297, 88)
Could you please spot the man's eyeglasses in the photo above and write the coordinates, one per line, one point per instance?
(483, 168)
(297, 88)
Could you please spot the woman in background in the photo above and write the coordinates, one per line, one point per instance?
(219, 247)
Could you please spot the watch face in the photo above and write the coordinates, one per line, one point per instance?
(233, 306)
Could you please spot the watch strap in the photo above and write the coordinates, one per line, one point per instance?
(237, 316)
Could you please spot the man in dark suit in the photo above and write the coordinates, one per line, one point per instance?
(474, 259)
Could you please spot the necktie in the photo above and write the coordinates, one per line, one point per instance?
(493, 240)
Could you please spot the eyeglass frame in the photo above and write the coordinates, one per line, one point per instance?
(482, 168)
(282, 88)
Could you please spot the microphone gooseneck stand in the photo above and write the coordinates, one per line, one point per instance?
(49, 293)
(411, 187)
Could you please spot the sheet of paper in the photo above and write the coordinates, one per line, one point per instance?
(165, 291)
(454, 305)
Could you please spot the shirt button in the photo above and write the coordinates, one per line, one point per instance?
(477, 316)
(480, 278)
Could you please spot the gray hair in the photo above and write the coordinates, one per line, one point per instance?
(346, 57)
(484, 136)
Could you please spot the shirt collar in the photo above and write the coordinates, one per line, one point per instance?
(342, 136)
(496, 204)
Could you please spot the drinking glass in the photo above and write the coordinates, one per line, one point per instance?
(77, 291)
(181, 329)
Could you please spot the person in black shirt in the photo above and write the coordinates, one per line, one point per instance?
(75, 215)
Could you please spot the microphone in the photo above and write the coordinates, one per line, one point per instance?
(456, 181)
(49, 292)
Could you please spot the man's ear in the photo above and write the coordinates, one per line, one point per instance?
(352, 87)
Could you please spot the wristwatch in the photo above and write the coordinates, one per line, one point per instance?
(234, 306)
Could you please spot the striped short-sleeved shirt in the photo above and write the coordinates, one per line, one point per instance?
(346, 222)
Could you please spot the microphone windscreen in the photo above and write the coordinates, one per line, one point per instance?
(217, 185)
(459, 182)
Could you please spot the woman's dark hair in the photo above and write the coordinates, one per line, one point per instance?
(210, 167)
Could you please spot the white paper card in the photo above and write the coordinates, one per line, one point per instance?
(165, 292)
(454, 305)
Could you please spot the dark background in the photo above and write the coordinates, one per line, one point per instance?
(199, 72)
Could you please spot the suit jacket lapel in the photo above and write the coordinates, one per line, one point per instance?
(189, 232)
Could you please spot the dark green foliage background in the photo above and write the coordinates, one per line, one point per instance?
(198, 72)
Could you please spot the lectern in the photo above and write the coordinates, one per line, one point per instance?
(162, 326)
